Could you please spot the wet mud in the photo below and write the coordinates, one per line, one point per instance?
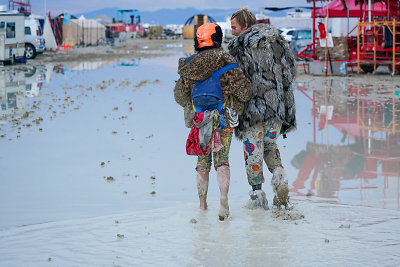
(98, 134)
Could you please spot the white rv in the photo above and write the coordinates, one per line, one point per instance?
(12, 35)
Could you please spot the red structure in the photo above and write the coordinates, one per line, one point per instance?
(378, 32)
(23, 6)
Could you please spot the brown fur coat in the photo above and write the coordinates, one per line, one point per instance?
(233, 82)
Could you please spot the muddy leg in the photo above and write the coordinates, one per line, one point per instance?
(223, 177)
(202, 188)
(279, 183)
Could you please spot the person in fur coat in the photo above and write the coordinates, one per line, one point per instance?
(236, 90)
(266, 59)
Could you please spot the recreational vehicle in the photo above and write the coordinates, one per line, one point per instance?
(12, 36)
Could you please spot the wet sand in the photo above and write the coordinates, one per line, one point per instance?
(142, 48)
(94, 171)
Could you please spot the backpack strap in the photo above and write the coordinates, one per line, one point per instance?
(188, 59)
(218, 73)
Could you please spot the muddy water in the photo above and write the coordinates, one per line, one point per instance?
(87, 138)
(95, 138)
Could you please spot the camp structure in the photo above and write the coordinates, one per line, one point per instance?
(48, 35)
(12, 36)
(83, 32)
(193, 23)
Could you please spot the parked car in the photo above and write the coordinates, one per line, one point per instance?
(168, 32)
(301, 38)
(34, 41)
(287, 33)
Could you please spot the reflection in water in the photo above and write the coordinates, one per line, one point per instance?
(27, 81)
(134, 62)
(12, 93)
(367, 121)
(16, 84)
(35, 77)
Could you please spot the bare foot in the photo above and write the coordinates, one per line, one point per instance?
(223, 213)
(203, 202)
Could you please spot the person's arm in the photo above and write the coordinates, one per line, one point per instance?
(239, 86)
(183, 91)
(183, 88)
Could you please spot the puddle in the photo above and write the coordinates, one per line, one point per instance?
(351, 152)
(59, 121)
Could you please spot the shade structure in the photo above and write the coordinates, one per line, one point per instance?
(336, 9)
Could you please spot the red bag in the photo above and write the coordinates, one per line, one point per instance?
(193, 142)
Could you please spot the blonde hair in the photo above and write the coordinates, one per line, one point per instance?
(243, 17)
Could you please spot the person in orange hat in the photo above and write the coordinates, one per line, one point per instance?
(211, 64)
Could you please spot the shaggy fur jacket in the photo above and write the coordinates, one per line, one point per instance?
(236, 88)
(266, 59)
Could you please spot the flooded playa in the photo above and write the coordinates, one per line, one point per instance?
(93, 170)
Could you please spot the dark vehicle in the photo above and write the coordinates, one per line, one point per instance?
(168, 32)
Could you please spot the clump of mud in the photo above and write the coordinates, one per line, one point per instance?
(110, 179)
(290, 214)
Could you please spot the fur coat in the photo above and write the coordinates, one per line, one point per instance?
(200, 67)
(266, 59)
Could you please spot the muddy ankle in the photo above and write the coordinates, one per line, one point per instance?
(223, 213)
(203, 202)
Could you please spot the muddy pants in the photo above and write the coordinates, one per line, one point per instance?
(259, 143)
(221, 158)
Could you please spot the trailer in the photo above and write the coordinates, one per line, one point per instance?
(12, 36)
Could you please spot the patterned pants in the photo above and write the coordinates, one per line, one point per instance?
(259, 144)
(221, 157)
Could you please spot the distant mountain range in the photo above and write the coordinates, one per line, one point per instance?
(174, 16)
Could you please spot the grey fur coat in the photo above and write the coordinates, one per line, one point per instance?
(266, 59)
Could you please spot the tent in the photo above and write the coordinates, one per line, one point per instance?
(336, 9)
(83, 32)
(48, 35)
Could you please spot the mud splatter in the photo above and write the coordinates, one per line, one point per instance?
(141, 83)
(288, 215)
(110, 179)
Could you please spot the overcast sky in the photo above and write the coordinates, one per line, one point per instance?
(80, 6)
